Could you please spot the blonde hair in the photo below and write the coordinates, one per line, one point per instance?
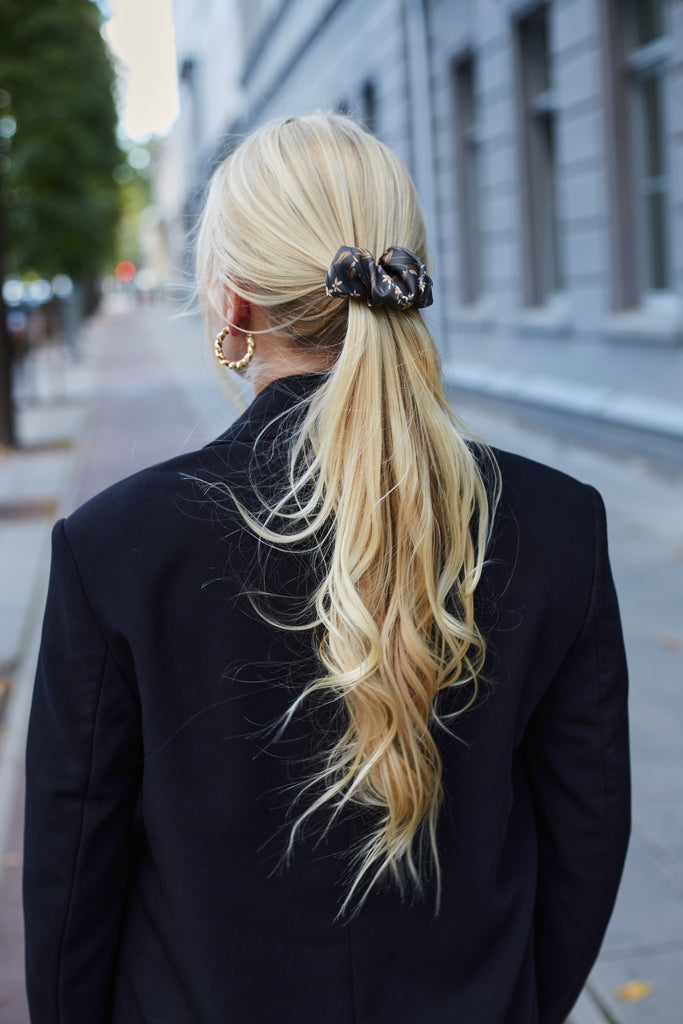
(380, 476)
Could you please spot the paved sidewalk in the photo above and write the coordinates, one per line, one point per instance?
(144, 389)
(35, 482)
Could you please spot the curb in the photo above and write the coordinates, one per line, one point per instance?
(12, 749)
(605, 405)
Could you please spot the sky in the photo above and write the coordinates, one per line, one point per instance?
(140, 33)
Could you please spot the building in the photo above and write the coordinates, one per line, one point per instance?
(209, 59)
(546, 141)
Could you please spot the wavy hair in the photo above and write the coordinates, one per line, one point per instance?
(380, 476)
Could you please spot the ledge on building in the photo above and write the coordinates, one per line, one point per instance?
(644, 327)
(607, 405)
(476, 316)
(552, 320)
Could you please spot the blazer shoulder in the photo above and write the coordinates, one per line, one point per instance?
(533, 491)
(549, 526)
(525, 473)
(159, 499)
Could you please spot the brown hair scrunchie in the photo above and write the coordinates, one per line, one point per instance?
(398, 280)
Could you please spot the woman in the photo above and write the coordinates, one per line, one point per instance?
(330, 716)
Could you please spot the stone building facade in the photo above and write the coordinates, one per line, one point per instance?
(545, 139)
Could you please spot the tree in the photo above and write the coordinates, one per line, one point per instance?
(7, 434)
(58, 133)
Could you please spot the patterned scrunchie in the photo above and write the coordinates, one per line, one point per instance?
(398, 280)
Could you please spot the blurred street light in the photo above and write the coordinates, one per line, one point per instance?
(125, 271)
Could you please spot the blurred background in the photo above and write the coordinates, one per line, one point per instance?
(546, 141)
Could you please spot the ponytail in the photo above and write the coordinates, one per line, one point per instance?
(380, 469)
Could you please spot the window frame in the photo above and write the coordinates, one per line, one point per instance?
(538, 110)
(468, 161)
(630, 65)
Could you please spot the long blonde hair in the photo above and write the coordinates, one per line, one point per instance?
(379, 468)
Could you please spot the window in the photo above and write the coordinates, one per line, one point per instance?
(538, 105)
(646, 50)
(639, 53)
(467, 137)
(369, 107)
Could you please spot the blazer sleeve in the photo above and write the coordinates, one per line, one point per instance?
(576, 755)
(83, 773)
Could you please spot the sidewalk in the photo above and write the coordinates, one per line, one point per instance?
(35, 482)
(142, 391)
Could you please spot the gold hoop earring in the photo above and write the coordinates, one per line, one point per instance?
(232, 364)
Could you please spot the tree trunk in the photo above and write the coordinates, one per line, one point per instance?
(92, 295)
(7, 431)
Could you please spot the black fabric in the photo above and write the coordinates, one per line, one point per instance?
(158, 792)
(398, 280)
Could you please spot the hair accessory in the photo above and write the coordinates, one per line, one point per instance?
(232, 364)
(398, 280)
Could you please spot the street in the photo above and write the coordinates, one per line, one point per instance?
(146, 390)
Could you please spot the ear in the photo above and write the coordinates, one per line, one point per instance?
(237, 311)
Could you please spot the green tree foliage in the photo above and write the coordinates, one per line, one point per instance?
(57, 83)
(134, 197)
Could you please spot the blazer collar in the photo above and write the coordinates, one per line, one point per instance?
(279, 396)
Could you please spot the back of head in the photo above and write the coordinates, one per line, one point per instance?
(283, 203)
(379, 461)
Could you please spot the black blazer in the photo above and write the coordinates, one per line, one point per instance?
(157, 794)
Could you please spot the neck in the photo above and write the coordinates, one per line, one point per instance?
(276, 357)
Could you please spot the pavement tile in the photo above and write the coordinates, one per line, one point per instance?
(43, 426)
(13, 1008)
(652, 729)
(664, 820)
(659, 777)
(647, 915)
(662, 969)
(641, 863)
(22, 551)
(586, 1012)
(29, 475)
